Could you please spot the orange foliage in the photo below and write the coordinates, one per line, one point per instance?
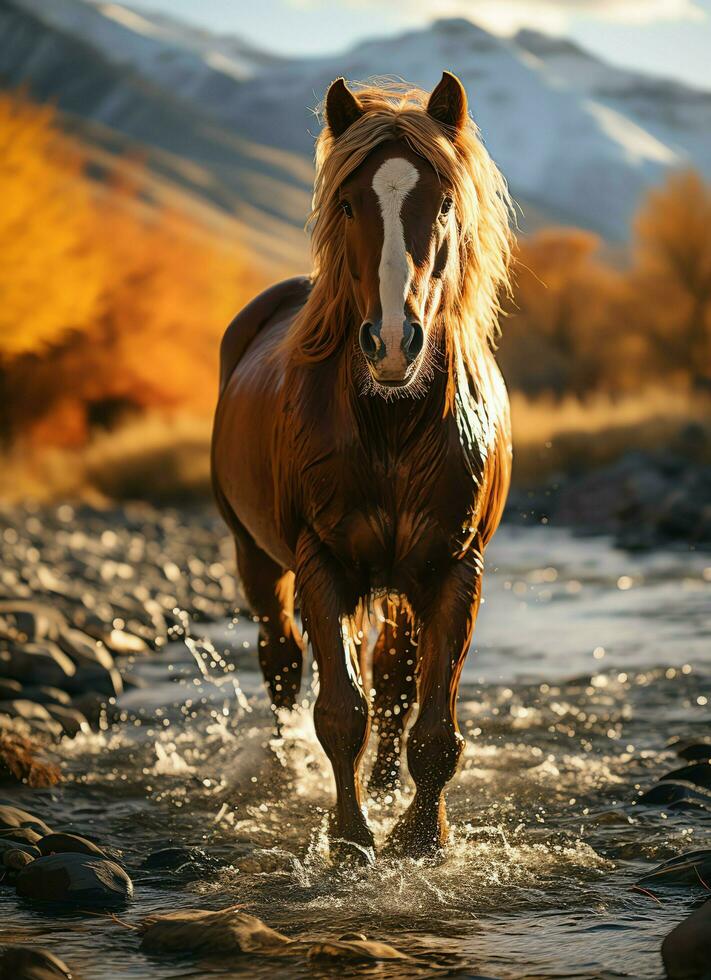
(110, 304)
(672, 275)
(581, 323)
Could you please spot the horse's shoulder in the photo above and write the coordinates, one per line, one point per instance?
(290, 293)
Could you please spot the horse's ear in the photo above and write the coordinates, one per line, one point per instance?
(448, 102)
(342, 108)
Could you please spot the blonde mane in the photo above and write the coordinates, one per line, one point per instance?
(471, 298)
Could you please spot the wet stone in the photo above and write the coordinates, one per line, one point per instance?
(676, 794)
(46, 695)
(697, 752)
(686, 951)
(78, 879)
(698, 773)
(43, 664)
(354, 947)
(60, 843)
(14, 845)
(12, 817)
(187, 862)
(15, 859)
(225, 932)
(692, 869)
(21, 835)
(9, 690)
(72, 721)
(29, 963)
(36, 716)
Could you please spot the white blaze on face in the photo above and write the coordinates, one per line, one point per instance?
(392, 183)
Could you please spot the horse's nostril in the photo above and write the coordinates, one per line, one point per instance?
(413, 341)
(370, 342)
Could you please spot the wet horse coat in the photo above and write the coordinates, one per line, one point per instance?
(361, 449)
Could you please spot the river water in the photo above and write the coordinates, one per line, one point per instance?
(587, 663)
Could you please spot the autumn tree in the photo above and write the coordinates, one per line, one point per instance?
(672, 276)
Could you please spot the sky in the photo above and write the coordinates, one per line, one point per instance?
(664, 37)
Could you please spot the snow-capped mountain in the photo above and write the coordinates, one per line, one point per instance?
(578, 140)
(677, 115)
(577, 157)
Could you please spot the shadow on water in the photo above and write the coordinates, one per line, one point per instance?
(588, 664)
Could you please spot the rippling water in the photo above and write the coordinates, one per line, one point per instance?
(587, 662)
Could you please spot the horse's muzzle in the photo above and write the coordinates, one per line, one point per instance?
(391, 350)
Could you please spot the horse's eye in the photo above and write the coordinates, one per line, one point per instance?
(446, 205)
(347, 209)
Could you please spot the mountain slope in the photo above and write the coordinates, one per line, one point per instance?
(574, 156)
(676, 114)
(264, 188)
(578, 140)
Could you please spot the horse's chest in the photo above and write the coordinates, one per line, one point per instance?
(393, 523)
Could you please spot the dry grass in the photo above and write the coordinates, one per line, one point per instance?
(164, 458)
(572, 436)
(156, 457)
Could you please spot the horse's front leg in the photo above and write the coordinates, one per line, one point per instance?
(341, 715)
(434, 743)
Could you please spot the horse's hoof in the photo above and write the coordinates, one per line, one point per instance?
(344, 851)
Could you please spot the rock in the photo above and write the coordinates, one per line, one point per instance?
(29, 621)
(22, 759)
(354, 947)
(12, 817)
(29, 963)
(79, 879)
(84, 650)
(126, 644)
(68, 844)
(669, 793)
(698, 773)
(9, 690)
(72, 721)
(686, 951)
(692, 868)
(43, 664)
(696, 752)
(46, 695)
(15, 845)
(15, 858)
(21, 835)
(225, 932)
(92, 706)
(187, 862)
(36, 716)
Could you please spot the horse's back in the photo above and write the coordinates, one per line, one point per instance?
(249, 322)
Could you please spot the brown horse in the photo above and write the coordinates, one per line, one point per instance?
(361, 446)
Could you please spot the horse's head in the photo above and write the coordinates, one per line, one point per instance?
(401, 237)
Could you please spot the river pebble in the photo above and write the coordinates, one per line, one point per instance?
(60, 843)
(77, 879)
(698, 773)
(227, 931)
(686, 951)
(12, 816)
(690, 869)
(29, 963)
(355, 947)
